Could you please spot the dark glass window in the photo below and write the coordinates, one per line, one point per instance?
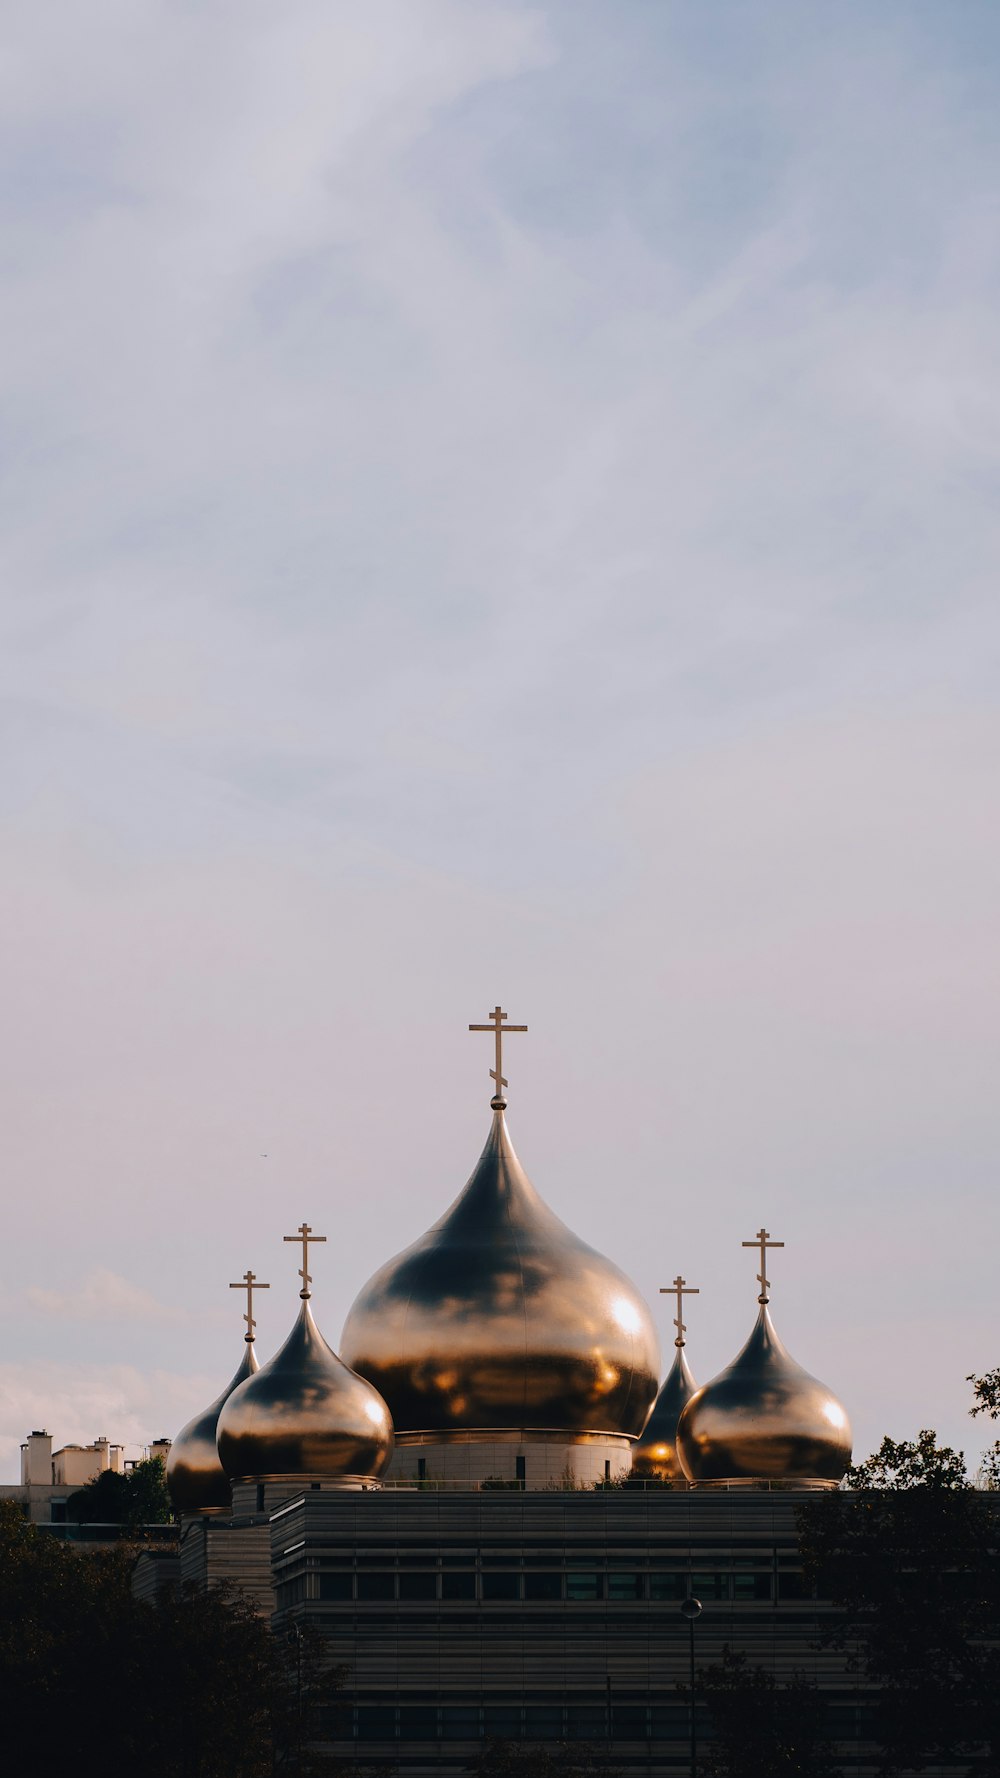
(667, 1586)
(751, 1586)
(418, 1586)
(581, 1585)
(57, 1512)
(458, 1586)
(543, 1586)
(503, 1721)
(670, 1722)
(376, 1722)
(460, 1722)
(501, 1586)
(336, 1586)
(625, 1586)
(628, 1722)
(543, 1558)
(586, 1722)
(417, 1722)
(792, 1586)
(542, 1722)
(376, 1587)
(710, 1586)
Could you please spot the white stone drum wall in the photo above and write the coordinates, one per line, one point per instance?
(474, 1459)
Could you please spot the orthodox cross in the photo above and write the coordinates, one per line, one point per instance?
(499, 1027)
(680, 1289)
(249, 1282)
(763, 1240)
(305, 1236)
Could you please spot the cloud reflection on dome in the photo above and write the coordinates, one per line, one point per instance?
(500, 1317)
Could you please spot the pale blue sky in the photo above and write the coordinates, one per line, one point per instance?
(499, 501)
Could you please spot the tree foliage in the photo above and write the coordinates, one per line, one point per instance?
(195, 1687)
(761, 1729)
(986, 1390)
(919, 1463)
(137, 1498)
(911, 1558)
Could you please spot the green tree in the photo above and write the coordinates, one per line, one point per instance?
(138, 1497)
(94, 1680)
(919, 1463)
(304, 1679)
(986, 1390)
(197, 1683)
(761, 1729)
(910, 1556)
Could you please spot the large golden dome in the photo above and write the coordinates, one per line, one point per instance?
(764, 1418)
(196, 1479)
(656, 1453)
(500, 1318)
(305, 1416)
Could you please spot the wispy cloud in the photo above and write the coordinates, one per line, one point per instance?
(77, 1402)
(102, 1296)
(498, 499)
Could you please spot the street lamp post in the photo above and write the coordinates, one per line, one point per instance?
(691, 1609)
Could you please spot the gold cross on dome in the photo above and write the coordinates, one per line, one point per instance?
(763, 1240)
(499, 1027)
(679, 1288)
(249, 1282)
(306, 1238)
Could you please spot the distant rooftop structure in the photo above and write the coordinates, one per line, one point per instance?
(48, 1477)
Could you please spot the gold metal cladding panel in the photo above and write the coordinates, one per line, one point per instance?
(196, 1479)
(501, 1317)
(304, 1414)
(764, 1418)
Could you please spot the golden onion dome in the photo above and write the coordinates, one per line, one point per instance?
(656, 1453)
(195, 1477)
(305, 1416)
(500, 1318)
(764, 1418)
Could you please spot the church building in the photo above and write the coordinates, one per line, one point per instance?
(499, 1520)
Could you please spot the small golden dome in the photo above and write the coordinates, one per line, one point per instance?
(656, 1452)
(764, 1419)
(305, 1415)
(500, 1318)
(195, 1477)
